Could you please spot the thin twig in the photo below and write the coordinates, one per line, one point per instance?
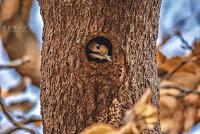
(178, 33)
(182, 63)
(15, 63)
(168, 75)
(27, 121)
(166, 38)
(11, 119)
(184, 90)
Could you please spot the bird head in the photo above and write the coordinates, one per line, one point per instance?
(99, 51)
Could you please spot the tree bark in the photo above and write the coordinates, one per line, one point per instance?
(77, 92)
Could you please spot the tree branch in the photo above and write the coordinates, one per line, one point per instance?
(187, 45)
(15, 63)
(185, 91)
(26, 121)
(19, 125)
(181, 64)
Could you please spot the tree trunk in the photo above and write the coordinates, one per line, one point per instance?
(77, 92)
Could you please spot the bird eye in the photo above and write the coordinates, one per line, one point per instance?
(98, 47)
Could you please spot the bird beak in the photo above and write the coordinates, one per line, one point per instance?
(101, 57)
(108, 58)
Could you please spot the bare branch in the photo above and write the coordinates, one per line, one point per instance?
(6, 111)
(20, 88)
(181, 64)
(187, 46)
(168, 75)
(16, 63)
(27, 121)
(184, 91)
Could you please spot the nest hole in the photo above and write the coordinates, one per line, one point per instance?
(100, 40)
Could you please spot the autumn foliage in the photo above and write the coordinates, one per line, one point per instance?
(179, 90)
(22, 48)
(179, 80)
(179, 99)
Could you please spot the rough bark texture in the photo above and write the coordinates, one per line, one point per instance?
(77, 92)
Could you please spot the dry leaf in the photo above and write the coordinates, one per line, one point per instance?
(20, 88)
(160, 58)
(100, 128)
(9, 9)
(24, 106)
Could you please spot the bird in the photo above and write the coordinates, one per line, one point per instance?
(99, 51)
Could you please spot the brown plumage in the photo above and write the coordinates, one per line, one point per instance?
(99, 51)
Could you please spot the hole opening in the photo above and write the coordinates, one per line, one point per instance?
(103, 46)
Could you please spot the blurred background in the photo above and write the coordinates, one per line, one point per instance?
(178, 50)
